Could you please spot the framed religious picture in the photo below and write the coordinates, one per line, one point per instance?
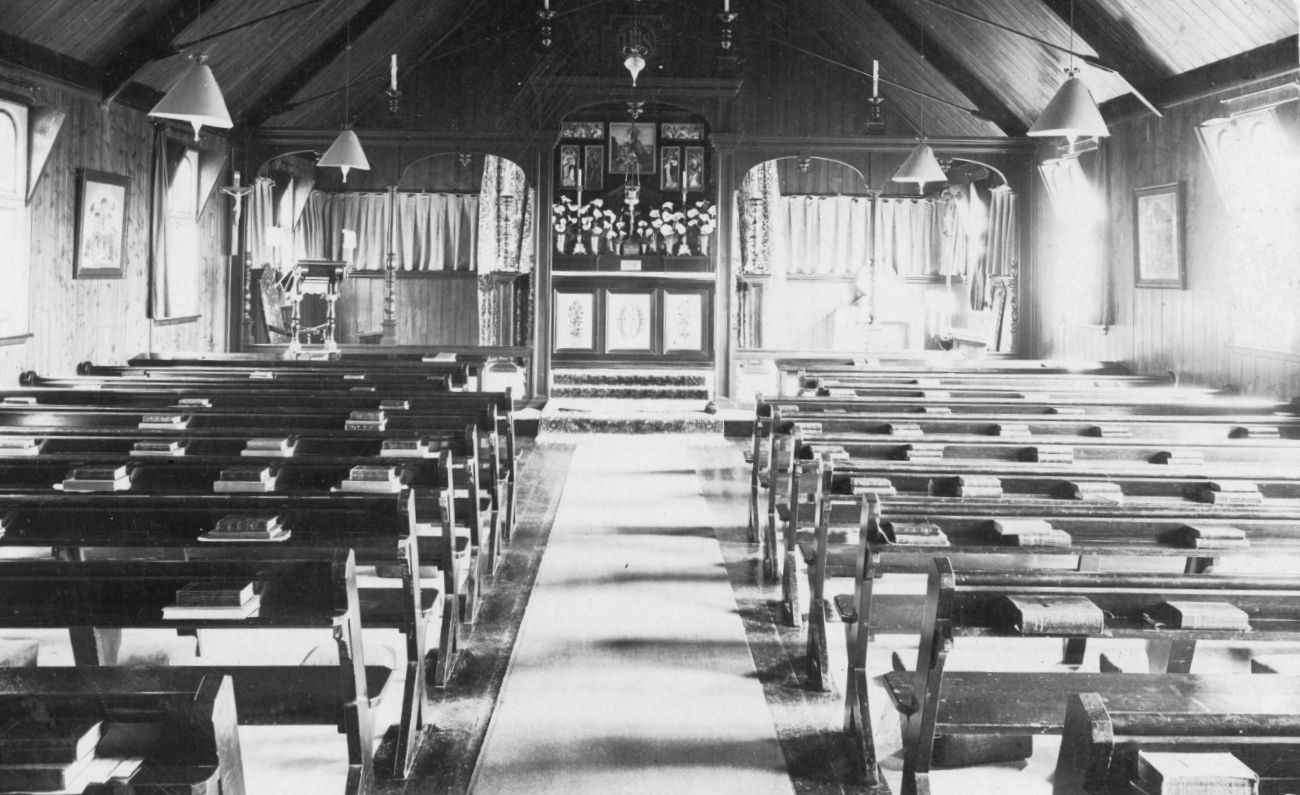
(670, 168)
(679, 131)
(693, 169)
(1158, 236)
(583, 130)
(593, 167)
(631, 147)
(569, 166)
(101, 225)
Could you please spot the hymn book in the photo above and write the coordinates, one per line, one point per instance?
(214, 601)
(1204, 773)
(1231, 492)
(157, 421)
(246, 479)
(373, 480)
(1051, 454)
(19, 445)
(1053, 615)
(1096, 491)
(1255, 432)
(978, 486)
(366, 420)
(1181, 614)
(904, 429)
(247, 528)
(1011, 429)
(270, 447)
(158, 447)
(28, 740)
(1206, 536)
(914, 534)
(407, 448)
(864, 484)
(99, 478)
(1030, 533)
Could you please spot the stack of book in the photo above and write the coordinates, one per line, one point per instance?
(1112, 431)
(366, 420)
(165, 421)
(394, 405)
(214, 600)
(1231, 492)
(19, 400)
(354, 376)
(1030, 533)
(240, 529)
(246, 479)
(262, 375)
(1255, 432)
(158, 447)
(923, 453)
(863, 484)
(373, 480)
(407, 448)
(99, 478)
(914, 534)
(1053, 615)
(39, 753)
(1213, 536)
(19, 445)
(1199, 615)
(1011, 429)
(1183, 773)
(904, 429)
(270, 446)
(1095, 491)
(1179, 458)
(978, 486)
(194, 402)
(807, 428)
(1052, 454)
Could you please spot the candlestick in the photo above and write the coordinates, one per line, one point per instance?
(392, 73)
(726, 6)
(546, 4)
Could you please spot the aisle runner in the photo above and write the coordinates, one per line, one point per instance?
(631, 672)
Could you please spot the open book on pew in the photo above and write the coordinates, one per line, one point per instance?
(1190, 773)
(99, 478)
(214, 601)
(244, 529)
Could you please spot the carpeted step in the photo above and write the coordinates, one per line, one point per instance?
(578, 422)
(631, 392)
(617, 378)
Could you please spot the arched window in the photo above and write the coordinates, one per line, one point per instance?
(13, 222)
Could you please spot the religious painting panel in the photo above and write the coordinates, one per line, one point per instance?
(670, 168)
(683, 321)
(101, 225)
(569, 166)
(575, 321)
(631, 148)
(593, 169)
(1158, 236)
(583, 130)
(681, 131)
(628, 322)
(693, 170)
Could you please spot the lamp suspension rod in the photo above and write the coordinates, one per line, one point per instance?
(1091, 60)
(182, 45)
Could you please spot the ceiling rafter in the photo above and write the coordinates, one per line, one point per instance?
(278, 98)
(152, 44)
(1119, 55)
(981, 95)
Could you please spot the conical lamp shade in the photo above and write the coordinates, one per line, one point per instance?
(920, 167)
(195, 98)
(1072, 113)
(345, 153)
(634, 63)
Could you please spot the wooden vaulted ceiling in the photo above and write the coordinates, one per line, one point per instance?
(948, 67)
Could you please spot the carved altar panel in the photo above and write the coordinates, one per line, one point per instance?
(575, 318)
(683, 321)
(628, 321)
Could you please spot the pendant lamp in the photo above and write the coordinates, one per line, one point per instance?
(634, 62)
(920, 167)
(345, 153)
(1072, 112)
(196, 99)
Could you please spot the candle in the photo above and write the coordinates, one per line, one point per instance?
(546, 4)
(236, 178)
(392, 73)
(875, 78)
(726, 6)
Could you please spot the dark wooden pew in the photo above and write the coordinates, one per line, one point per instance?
(1100, 744)
(300, 594)
(381, 530)
(942, 707)
(181, 722)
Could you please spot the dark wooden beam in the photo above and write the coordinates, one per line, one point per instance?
(989, 103)
(23, 53)
(277, 99)
(1117, 44)
(1271, 60)
(151, 44)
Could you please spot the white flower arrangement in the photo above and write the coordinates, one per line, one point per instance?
(564, 215)
(703, 217)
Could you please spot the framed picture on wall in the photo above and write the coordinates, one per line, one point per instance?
(679, 131)
(1158, 236)
(670, 168)
(583, 130)
(693, 169)
(593, 168)
(569, 166)
(101, 225)
(631, 147)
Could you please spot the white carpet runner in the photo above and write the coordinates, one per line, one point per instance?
(631, 672)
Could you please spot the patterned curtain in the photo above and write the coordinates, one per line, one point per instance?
(505, 235)
(757, 198)
(1002, 331)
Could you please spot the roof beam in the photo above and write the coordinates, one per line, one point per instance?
(1118, 54)
(152, 44)
(277, 99)
(982, 96)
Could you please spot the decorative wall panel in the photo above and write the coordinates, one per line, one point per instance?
(575, 317)
(628, 321)
(683, 321)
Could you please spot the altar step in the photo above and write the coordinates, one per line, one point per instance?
(625, 385)
(606, 415)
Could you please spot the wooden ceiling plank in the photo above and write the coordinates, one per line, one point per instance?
(150, 45)
(985, 99)
(276, 99)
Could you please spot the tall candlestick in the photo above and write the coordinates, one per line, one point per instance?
(392, 73)
(726, 6)
(546, 4)
(875, 78)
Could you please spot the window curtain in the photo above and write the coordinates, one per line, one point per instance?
(261, 217)
(434, 231)
(1001, 254)
(907, 237)
(166, 297)
(822, 235)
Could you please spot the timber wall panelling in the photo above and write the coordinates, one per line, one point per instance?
(107, 319)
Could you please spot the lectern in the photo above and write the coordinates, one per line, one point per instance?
(314, 277)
